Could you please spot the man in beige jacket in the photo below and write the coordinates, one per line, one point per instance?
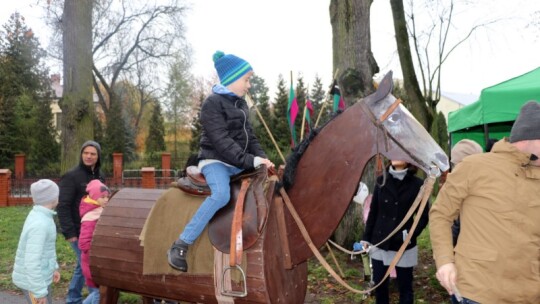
(497, 196)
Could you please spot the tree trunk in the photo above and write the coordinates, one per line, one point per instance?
(356, 65)
(416, 102)
(77, 104)
(351, 41)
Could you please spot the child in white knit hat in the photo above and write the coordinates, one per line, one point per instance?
(35, 262)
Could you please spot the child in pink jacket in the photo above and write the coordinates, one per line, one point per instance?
(90, 210)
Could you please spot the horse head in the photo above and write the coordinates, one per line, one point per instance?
(405, 138)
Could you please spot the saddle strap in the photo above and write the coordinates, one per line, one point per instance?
(236, 229)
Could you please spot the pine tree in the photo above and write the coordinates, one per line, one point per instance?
(8, 131)
(25, 97)
(44, 158)
(280, 123)
(318, 97)
(115, 134)
(259, 92)
(155, 142)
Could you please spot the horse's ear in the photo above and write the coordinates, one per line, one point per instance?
(386, 84)
(384, 88)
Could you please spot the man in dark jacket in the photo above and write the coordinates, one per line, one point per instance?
(72, 189)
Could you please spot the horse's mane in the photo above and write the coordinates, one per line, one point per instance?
(298, 151)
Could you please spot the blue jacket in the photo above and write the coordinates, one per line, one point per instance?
(35, 261)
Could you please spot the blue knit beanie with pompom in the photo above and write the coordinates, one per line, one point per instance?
(230, 67)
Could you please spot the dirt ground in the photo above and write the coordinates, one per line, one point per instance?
(327, 290)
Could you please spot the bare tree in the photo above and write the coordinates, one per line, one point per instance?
(432, 47)
(133, 41)
(183, 96)
(351, 41)
(353, 58)
(77, 105)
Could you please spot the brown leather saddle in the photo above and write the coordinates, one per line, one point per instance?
(193, 182)
(248, 190)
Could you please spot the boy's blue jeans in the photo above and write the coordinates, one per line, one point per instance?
(218, 176)
(76, 285)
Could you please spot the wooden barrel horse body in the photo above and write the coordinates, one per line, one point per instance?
(326, 179)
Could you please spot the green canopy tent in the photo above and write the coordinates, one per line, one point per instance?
(494, 113)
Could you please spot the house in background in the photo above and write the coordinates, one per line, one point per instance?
(58, 90)
(454, 101)
(55, 107)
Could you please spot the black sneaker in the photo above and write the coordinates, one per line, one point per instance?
(177, 255)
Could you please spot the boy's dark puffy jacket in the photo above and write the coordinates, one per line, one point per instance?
(227, 134)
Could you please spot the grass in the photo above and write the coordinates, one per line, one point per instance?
(11, 224)
(324, 288)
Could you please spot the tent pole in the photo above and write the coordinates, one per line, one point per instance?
(486, 135)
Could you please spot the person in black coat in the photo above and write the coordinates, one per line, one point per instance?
(72, 189)
(389, 205)
(228, 146)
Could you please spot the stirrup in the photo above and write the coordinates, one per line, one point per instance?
(233, 293)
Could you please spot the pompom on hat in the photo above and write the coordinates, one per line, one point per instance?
(463, 148)
(96, 189)
(527, 124)
(44, 192)
(230, 67)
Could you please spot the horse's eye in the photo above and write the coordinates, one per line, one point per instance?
(394, 117)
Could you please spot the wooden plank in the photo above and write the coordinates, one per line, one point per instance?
(282, 231)
(185, 289)
(120, 232)
(144, 204)
(116, 221)
(115, 242)
(121, 211)
(124, 255)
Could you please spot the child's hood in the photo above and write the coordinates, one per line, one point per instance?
(87, 205)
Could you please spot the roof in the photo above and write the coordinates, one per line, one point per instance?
(461, 98)
(498, 103)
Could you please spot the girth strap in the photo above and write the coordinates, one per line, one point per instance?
(237, 246)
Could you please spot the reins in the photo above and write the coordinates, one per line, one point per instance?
(378, 122)
(421, 199)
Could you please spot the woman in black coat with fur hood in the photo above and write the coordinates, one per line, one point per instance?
(389, 205)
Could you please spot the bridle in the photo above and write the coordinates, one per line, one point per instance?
(381, 129)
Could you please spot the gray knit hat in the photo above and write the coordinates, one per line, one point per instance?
(44, 192)
(95, 145)
(463, 148)
(527, 124)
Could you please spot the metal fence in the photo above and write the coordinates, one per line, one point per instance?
(20, 187)
(163, 178)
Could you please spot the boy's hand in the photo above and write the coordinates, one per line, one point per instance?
(56, 276)
(269, 164)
